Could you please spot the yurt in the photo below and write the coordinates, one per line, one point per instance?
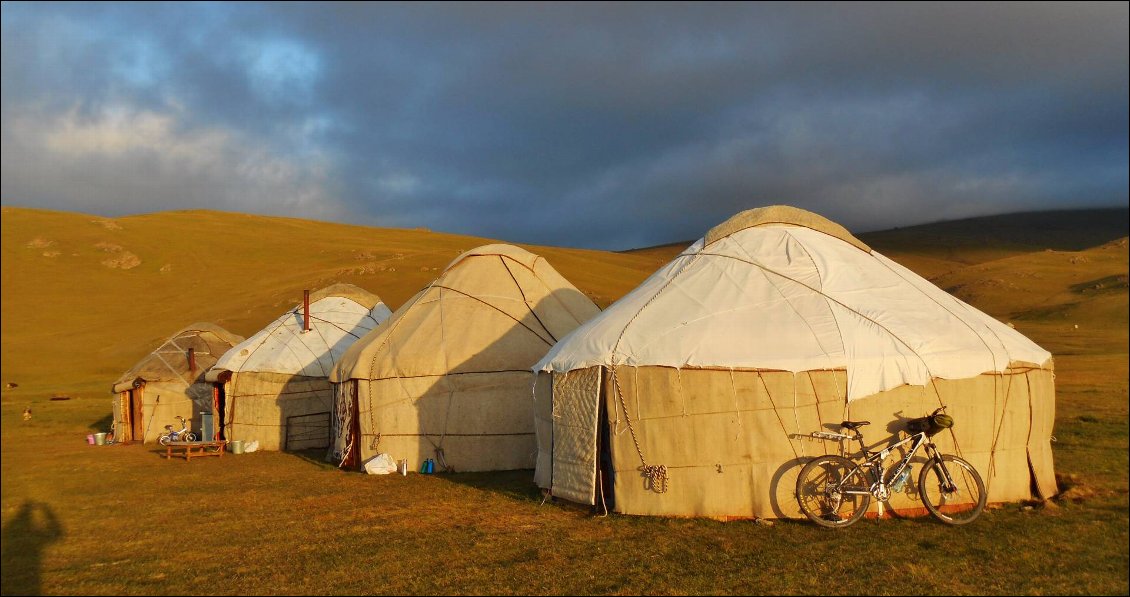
(448, 377)
(697, 393)
(169, 382)
(274, 387)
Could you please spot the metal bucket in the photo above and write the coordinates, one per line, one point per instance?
(100, 439)
(236, 446)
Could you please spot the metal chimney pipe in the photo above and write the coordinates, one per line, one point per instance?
(305, 310)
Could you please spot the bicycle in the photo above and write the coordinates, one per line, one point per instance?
(835, 492)
(179, 435)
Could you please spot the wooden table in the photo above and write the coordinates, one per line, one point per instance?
(190, 449)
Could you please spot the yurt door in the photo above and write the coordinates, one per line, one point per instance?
(604, 472)
(354, 458)
(137, 429)
(576, 396)
(219, 403)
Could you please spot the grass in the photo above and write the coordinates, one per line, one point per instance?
(121, 520)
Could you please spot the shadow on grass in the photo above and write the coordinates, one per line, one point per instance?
(316, 457)
(26, 535)
(103, 424)
(516, 485)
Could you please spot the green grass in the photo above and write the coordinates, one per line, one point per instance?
(126, 521)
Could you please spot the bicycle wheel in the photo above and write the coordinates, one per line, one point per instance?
(959, 503)
(189, 437)
(820, 490)
(163, 439)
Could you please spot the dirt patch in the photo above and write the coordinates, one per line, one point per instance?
(122, 260)
(107, 224)
(108, 247)
(168, 267)
(39, 243)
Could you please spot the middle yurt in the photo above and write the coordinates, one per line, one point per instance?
(448, 376)
(697, 393)
(274, 387)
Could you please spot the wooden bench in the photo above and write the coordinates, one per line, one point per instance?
(190, 449)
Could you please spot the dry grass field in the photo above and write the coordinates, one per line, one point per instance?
(85, 297)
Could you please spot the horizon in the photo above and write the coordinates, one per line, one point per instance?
(593, 126)
(206, 210)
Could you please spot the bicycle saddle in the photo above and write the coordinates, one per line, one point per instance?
(854, 425)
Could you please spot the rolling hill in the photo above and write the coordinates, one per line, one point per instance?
(84, 297)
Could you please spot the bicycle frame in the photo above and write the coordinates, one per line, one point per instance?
(871, 468)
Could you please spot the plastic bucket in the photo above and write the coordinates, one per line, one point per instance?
(236, 446)
(90, 439)
(100, 439)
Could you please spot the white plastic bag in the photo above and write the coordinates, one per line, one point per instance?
(251, 446)
(381, 464)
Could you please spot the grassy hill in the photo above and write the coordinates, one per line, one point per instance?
(84, 297)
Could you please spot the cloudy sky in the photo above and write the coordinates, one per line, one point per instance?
(592, 125)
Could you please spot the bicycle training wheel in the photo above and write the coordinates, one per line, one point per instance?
(821, 490)
(959, 503)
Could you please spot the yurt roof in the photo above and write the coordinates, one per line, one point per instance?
(789, 297)
(782, 215)
(339, 315)
(494, 308)
(169, 362)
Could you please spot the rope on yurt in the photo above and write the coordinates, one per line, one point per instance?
(1000, 428)
(683, 395)
(796, 415)
(953, 436)
(181, 351)
(778, 413)
(522, 291)
(656, 474)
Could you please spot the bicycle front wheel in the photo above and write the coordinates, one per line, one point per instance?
(832, 491)
(951, 489)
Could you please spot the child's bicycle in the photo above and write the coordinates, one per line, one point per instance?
(176, 435)
(835, 492)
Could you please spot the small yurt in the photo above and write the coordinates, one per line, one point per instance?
(696, 394)
(448, 376)
(169, 382)
(274, 387)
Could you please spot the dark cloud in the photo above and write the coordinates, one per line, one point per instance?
(600, 125)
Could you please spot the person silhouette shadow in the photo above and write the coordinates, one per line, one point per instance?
(26, 536)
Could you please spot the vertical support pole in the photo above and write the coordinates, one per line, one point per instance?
(305, 310)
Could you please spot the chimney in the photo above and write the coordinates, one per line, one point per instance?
(305, 310)
(192, 361)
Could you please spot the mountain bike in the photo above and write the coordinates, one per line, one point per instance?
(176, 435)
(835, 492)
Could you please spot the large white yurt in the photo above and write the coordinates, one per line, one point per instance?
(274, 387)
(169, 382)
(696, 394)
(448, 376)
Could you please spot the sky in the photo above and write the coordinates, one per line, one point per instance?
(606, 126)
